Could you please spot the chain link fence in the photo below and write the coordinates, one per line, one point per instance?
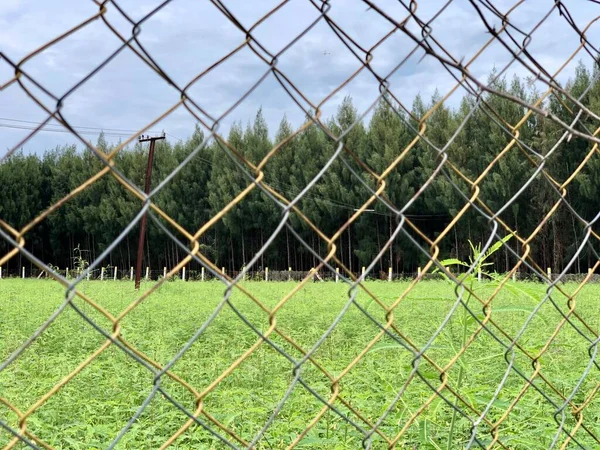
(566, 407)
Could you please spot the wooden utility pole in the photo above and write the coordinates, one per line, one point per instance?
(140, 252)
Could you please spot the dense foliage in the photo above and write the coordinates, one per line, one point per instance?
(96, 216)
(93, 407)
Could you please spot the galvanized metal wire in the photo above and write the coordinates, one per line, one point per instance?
(485, 429)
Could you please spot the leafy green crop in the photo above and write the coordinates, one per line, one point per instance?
(89, 411)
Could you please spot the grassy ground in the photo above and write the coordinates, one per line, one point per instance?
(89, 411)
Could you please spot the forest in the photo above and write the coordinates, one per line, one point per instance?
(31, 181)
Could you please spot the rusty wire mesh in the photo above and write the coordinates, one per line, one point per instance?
(569, 415)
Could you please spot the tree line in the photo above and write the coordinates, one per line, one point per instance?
(30, 183)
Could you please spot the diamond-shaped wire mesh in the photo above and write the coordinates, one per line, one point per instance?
(485, 189)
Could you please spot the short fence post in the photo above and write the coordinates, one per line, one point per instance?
(147, 273)
(23, 275)
(223, 270)
(590, 271)
(289, 274)
(102, 274)
(88, 275)
(202, 272)
(390, 274)
(131, 274)
(266, 274)
(549, 273)
(115, 275)
(164, 272)
(0, 272)
(479, 274)
(363, 272)
(312, 273)
(418, 272)
(183, 273)
(337, 274)
(514, 276)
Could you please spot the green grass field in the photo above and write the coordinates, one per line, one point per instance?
(89, 411)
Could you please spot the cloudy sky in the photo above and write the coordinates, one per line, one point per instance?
(187, 36)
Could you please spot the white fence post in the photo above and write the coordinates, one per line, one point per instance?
(549, 273)
(147, 273)
(0, 272)
(223, 270)
(479, 274)
(202, 272)
(66, 273)
(363, 272)
(115, 275)
(289, 274)
(102, 274)
(514, 276)
(266, 274)
(23, 275)
(390, 274)
(418, 272)
(131, 274)
(88, 276)
(183, 274)
(337, 274)
(164, 272)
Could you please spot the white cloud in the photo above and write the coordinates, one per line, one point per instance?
(186, 37)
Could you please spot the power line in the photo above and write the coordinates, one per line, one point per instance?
(116, 132)
(174, 137)
(55, 130)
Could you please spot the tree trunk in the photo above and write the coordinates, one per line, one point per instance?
(589, 258)
(287, 244)
(576, 244)
(391, 245)
(174, 260)
(243, 251)
(314, 260)
(232, 262)
(262, 244)
(216, 247)
(456, 241)
(379, 247)
(295, 257)
(349, 250)
(556, 247)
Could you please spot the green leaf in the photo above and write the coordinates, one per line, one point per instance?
(429, 374)
(518, 291)
(497, 402)
(383, 346)
(475, 250)
(423, 431)
(452, 262)
(496, 246)
(506, 309)
(316, 441)
(486, 358)
(424, 438)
